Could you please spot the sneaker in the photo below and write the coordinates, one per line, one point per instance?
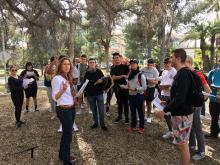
(18, 124)
(117, 120)
(79, 112)
(94, 126)
(72, 159)
(90, 112)
(104, 128)
(198, 156)
(149, 120)
(168, 135)
(127, 121)
(107, 114)
(60, 129)
(141, 130)
(192, 148)
(81, 106)
(27, 111)
(75, 128)
(36, 110)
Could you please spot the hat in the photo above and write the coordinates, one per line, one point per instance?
(150, 61)
(133, 61)
(167, 60)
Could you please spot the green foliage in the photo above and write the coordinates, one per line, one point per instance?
(135, 41)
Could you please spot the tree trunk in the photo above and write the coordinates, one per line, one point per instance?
(212, 50)
(72, 28)
(149, 49)
(205, 58)
(107, 57)
(162, 36)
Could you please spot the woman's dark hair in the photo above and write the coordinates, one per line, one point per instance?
(52, 59)
(28, 64)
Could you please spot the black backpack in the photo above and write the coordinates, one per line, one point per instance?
(197, 96)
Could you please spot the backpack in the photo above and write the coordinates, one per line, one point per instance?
(197, 96)
(139, 79)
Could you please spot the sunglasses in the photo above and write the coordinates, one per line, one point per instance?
(14, 70)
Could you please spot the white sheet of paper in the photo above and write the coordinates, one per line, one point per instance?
(207, 94)
(157, 103)
(124, 86)
(27, 81)
(82, 88)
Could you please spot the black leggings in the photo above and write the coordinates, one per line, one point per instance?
(17, 100)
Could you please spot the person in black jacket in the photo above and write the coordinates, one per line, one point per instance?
(94, 92)
(180, 105)
(15, 84)
(119, 74)
(31, 90)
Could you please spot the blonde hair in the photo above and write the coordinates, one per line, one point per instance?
(189, 60)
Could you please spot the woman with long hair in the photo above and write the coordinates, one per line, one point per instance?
(15, 84)
(63, 93)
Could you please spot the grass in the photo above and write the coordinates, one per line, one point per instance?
(2, 88)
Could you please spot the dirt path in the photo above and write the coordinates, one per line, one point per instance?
(91, 147)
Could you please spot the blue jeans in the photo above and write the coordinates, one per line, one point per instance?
(66, 118)
(196, 131)
(136, 105)
(95, 101)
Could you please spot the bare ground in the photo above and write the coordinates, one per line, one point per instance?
(91, 147)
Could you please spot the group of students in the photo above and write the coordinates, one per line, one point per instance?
(132, 87)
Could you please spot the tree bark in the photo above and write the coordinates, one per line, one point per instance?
(72, 28)
(205, 58)
(162, 39)
(212, 50)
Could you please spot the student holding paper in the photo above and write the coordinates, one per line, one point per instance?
(137, 86)
(166, 81)
(31, 90)
(15, 84)
(94, 94)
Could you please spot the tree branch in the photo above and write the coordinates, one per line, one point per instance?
(21, 13)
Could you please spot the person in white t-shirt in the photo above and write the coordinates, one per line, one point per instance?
(166, 81)
(64, 94)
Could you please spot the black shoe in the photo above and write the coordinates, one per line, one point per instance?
(18, 124)
(104, 128)
(36, 110)
(211, 136)
(117, 120)
(127, 121)
(22, 122)
(27, 110)
(94, 126)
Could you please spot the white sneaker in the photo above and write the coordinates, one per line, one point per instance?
(149, 120)
(82, 107)
(168, 135)
(75, 128)
(90, 112)
(107, 114)
(198, 156)
(60, 129)
(79, 112)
